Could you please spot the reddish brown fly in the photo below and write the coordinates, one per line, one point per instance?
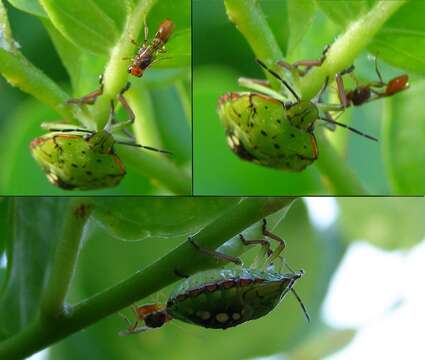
(147, 53)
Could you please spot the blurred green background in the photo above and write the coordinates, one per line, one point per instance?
(318, 232)
(221, 55)
(162, 87)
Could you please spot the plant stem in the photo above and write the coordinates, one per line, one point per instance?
(338, 176)
(158, 167)
(145, 128)
(348, 46)
(53, 299)
(249, 19)
(40, 333)
(116, 75)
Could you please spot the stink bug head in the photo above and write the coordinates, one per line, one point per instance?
(100, 142)
(302, 114)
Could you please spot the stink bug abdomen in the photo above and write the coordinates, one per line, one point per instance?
(228, 297)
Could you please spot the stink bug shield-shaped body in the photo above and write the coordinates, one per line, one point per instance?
(261, 130)
(264, 128)
(81, 159)
(221, 299)
(78, 158)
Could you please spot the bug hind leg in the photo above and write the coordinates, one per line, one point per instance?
(213, 253)
(90, 98)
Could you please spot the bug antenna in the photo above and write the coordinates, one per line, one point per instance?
(304, 309)
(144, 147)
(277, 76)
(358, 132)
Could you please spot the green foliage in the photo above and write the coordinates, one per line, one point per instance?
(390, 223)
(400, 42)
(103, 270)
(91, 38)
(347, 164)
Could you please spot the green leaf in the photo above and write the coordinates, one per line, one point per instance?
(30, 6)
(300, 17)
(187, 341)
(94, 25)
(404, 131)
(133, 219)
(34, 230)
(80, 65)
(400, 42)
(389, 223)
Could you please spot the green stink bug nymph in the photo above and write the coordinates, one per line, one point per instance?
(264, 128)
(82, 159)
(225, 298)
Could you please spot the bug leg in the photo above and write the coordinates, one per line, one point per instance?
(342, 95)
(264, 243)
(90, 98)
(304, 309)
(358, 132)
(126, 106)
(308, 64)
(215, 254)
(146, 34)
(277, 76)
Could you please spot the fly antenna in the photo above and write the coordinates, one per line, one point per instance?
(277, 76)
(304, 309)
(358, 132)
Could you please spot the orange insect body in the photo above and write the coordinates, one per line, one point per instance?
(146, 55)
(397, 84)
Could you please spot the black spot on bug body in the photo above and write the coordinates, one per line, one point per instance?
(278, 121)
(263, 133)
(74, 165)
